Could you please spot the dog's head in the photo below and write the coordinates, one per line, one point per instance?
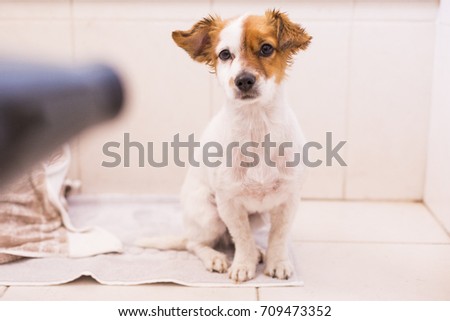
(249, 54)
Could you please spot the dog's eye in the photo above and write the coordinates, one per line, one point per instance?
(225, 55)
(266, 50)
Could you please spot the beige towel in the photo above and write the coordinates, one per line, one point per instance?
(132, 217)
(34, 220)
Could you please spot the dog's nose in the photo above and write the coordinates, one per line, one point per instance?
(245, 81)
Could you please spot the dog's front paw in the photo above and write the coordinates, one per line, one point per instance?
(217, 263)
(280, 269)
(242, 271)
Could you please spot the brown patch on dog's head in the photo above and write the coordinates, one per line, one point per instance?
(199, 41)
(278, 31)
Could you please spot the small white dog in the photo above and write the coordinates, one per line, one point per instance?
(250, 55)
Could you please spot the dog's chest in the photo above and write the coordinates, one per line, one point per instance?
(261, 181)
(262, 188)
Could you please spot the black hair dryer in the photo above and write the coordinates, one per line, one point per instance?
(42, 107)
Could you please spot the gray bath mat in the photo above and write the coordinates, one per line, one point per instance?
(130, 218)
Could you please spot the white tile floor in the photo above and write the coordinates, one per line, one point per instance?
(348, 251)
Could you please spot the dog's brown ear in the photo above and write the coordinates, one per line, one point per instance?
(291, 37)
(197, 41)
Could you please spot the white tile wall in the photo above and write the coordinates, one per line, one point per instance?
(160, 10)
(320, 101)
(30, 9)
(437, 190)
(366, 78)
(36, 39)
(444, 12)
(396, 10)
(300, 10)
(161, 101)
(390, 94)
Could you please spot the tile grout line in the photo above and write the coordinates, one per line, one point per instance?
(437, 220)
(431, 100)
(3, 290)
(76, 142)
(180, 19)
(72, 31)
(210, 81)
(370, 242)
(347, 107)
(361, 200)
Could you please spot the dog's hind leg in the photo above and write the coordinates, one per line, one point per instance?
(204, 227)
(163, 242)
(203, 236)
(214, 261)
